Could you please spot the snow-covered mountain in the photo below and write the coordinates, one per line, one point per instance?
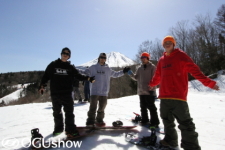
(114, 59)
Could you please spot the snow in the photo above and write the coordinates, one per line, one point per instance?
(14, 95)
(206, 108)
(114, 59)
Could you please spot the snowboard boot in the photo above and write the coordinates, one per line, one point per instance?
(57, 131)
(164, 144)
(73, 134)
(90, 124)
(100, 123)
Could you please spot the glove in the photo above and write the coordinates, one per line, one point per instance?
(130, 72)
(41, 89)
(126, 69)
(91, 79)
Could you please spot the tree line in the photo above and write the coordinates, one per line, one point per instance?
(203, 40)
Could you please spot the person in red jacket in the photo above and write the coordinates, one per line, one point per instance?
(172, 75)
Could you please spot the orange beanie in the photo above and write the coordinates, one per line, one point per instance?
(169, 38)
(145, 54)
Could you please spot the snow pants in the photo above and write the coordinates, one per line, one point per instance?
(179, 110)
(101, 102)
(147, 102)
(66, 101)
(87, 92)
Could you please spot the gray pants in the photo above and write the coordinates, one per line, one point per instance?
(76, 93)
(101, 102)
(175, 109)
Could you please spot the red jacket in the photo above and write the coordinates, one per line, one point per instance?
(172, 75)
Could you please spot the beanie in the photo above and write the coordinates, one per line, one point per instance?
(169, 38)
(101, 55)
(145, 54)
(66, 49)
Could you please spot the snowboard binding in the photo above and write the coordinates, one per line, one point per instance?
(137, 118)
(36, 136)
(149, 140)
(117, 123)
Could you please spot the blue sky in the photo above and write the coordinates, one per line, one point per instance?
(32, 33)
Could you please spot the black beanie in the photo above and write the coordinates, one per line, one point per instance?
(66, 48)
(101, 55)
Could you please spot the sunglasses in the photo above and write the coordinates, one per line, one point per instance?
(64, 53)
(103, 57)
(168, 43)
(143, 57)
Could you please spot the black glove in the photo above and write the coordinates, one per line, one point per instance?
(91, 79)
(126, 69)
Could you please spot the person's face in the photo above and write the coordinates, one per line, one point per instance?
(65, 55)
(102, 59)
(168, 45)
(144, 59)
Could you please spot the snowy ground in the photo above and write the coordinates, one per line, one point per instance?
(207, 110)
(14, 95)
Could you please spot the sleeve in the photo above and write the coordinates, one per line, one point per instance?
(157, 76)
(195, 71)
(79, 76)
(116, 74)
(46, 75)
(85, 72)
(135, 76)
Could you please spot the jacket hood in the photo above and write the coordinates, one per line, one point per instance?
(176, 50)
(59, 60)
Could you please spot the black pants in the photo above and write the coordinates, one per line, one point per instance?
(67, 102)
(179, 110)
(147, 102)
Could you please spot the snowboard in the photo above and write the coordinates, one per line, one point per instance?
(56, 141)
(148, 143)
(106, 127)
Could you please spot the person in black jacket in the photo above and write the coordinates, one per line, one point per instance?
(61, 74)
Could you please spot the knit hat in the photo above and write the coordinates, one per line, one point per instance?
(169, 38)
(101, 55)
(145, 54)
(66, 49)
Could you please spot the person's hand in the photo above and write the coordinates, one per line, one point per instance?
(41, 90)
(126, 69)
(150, 88)
(91, 79)
(216, 87)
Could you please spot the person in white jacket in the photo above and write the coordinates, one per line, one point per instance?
(100, 88)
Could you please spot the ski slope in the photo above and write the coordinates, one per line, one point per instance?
(14, 95)
(206, 108)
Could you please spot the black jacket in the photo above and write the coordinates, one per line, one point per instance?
(61, 75)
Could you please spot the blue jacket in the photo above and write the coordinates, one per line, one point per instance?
(102, 75)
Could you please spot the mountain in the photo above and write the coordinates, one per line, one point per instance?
(114, 59)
